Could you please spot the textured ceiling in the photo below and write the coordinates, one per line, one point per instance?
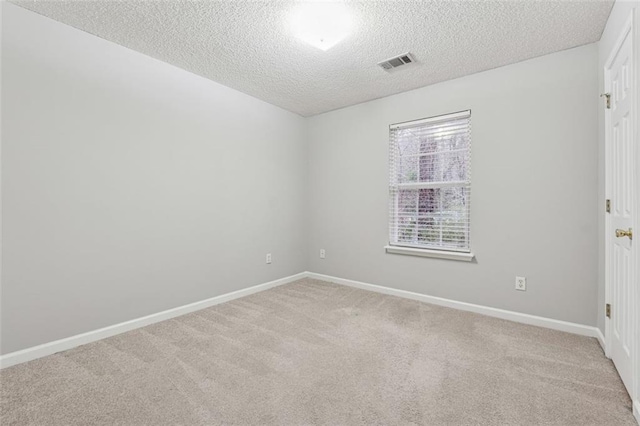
(247, 45)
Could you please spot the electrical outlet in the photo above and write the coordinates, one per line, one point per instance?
(521, 283)
(268, 257)
(322, 253)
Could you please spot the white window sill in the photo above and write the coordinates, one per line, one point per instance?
(439, 254)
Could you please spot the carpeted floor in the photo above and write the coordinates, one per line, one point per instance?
(311, 352)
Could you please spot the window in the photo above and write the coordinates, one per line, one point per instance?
(430, 183)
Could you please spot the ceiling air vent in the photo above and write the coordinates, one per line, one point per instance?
(397, 61)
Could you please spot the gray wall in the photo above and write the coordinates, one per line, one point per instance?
(534, 188)
(130, 186)
(621, 11)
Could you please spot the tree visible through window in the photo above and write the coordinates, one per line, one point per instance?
(430, 182)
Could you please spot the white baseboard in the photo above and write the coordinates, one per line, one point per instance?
(50, 348)
(92, 336)
(636, 411)
(600, 338)
(568, 327)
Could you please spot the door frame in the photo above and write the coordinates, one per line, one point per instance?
(629, 29)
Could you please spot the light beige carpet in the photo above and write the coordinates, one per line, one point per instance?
(318, 353)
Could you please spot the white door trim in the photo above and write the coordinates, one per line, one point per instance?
(630, 30)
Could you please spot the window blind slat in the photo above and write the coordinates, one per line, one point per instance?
(427, 121)
(426, 185)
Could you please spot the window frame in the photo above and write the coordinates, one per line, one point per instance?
(431, 250)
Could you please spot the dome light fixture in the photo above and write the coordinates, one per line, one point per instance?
(322, 24)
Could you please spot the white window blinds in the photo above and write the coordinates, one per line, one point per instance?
(430, 182)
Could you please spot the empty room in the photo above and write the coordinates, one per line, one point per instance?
(329, 212)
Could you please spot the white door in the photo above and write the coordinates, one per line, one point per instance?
(621, 192)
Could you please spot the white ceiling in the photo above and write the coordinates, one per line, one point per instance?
(247, 45)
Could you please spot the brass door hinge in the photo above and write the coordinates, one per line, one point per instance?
(608, 206)
(608, 310)
(607, 96)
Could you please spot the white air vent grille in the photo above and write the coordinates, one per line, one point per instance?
(397, 61)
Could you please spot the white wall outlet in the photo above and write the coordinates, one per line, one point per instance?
(322, 254)
(268, 257)
(521, 283)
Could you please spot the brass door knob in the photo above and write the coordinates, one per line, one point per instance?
(622, 233)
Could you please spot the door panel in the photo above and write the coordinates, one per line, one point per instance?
(622, 192)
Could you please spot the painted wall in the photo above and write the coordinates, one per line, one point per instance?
(534, 188)
(130, 186)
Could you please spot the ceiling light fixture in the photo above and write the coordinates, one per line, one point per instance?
(322, 24)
